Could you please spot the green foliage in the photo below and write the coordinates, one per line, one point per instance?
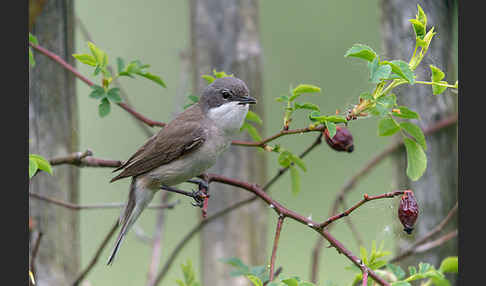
(292, 281)
(189, 275)
(258, 273)
(106, 95)
(287, 159)
(216, 74)
(32, 40)
(37, 162)
(361, 51)
(416, 159)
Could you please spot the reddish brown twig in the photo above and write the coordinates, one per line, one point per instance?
(35, 250)
(95, 206)
(95, 258)
(275, 244)
(437, 242)
(412, 249)
(76, 73)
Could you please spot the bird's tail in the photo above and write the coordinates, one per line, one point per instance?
(138, 199)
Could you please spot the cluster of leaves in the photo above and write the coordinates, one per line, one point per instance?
(104, 93)
(396, 275)
(189, 275)
(258, 272)
(32, 40)
(37, 162)
(381, 102)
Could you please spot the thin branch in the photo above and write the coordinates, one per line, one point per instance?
(96, 206)
(351, 183)
(35, 250)
(263, 143)
(76, 73)
(275, 244)
(365, 199)
(412, 249)
(437, 242)
(352, 227)
(95, 258)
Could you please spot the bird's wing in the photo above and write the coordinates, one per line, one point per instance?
(176, 139)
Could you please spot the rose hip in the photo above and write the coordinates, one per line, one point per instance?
(342, 140)
(408, 211)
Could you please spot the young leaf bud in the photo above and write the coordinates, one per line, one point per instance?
(408, 211)
(342, 140)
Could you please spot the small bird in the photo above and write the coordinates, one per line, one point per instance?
(184, 148)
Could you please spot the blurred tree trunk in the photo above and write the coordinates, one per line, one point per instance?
(436, 191)
(225, 37)
(53, 131)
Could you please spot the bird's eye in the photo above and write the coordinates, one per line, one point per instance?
(226, 93)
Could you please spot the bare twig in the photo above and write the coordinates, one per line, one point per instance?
(413, 248)
(437, 242)
(275, 244)
(35, 250)
(352, 227)
(263, 143)
(95, 258)
(96, 206)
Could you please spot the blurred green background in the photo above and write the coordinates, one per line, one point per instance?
(303, 42)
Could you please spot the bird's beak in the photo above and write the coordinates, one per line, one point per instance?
(246, 100)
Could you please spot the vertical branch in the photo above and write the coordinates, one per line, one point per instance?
(275, 244)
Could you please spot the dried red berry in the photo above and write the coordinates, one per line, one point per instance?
(342, 140)
(408, 211)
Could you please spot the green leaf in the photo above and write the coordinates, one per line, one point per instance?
(402, 69)
(336, 118)
(379, 72)
(366, 96)
(33, 39)
(283, 159)
(449, 265)
(419, 28)
(31, 58)
(387, 126)
(282, 98)
(208, 78)
(415, 132)
(86, 59)
(98, 92)
(298, 161)
(193, 98)
(291, 282)
(307, 105)
(252, 116)
(401, 283)
(437, 74)
(255, 280)
(97, 53)
(295, 179)
(152, 77)
(405, 112)
(362, 52)
(120, 63)
(221, 74)
(41, 163)
(97, 70)
(412, 270)
(396, 270)
(421, 17)
(416, 159)
(438, 89)
(383, 104)
(104, 107)
(251, 130)
(114, 95)
(363, 254)
(331, 128)
(304, 88)
(32, 167)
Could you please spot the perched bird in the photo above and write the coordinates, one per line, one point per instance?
(184, 148)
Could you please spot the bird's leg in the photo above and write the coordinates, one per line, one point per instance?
(174, 190)
(202, 194)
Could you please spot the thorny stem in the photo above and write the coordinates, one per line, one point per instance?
(275, 244)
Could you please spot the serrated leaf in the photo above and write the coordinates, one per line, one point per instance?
(104, 107)
(380, 72)
(31, 58)
(86, 59)
(449, 265)
(295, 179)
(32, 167)
(415, 132)
(33, 39)
(291, 282)
(402, 69)
(251, 130)
(97, 53)
(255, 280)
(120, 63)
(361, 51)
(152, 77)
(41, 162)
(253, 117)
(405, 112)
(114, 95)
(98, 92)
(304, 88)
(416, 159)
(307, 105)
(208, 78)
(396, 270)
(387, 126)
(331, 128)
